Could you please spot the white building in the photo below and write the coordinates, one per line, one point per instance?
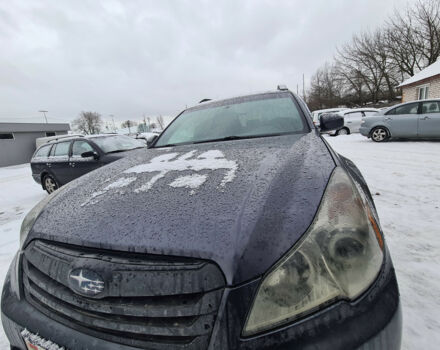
(425, 84)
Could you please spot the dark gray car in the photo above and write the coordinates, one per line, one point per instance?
(58, 162)
(239, 228)
(411, 120)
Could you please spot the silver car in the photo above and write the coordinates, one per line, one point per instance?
(411, 120)
(353, 119)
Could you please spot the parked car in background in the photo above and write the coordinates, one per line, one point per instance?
(42, 140)
(58, 162)
(147, 137)
(239, 228)
(411, 120)
(317, 114)
(352, 120)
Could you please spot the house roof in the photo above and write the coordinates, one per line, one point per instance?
(428, 72)
(32, 127)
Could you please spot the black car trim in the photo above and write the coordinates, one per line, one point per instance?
(143, 306)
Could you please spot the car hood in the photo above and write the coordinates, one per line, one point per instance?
(241, 204)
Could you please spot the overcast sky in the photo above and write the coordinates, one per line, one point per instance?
(129, 58)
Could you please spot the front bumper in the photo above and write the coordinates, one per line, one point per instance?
(372, 322)
(364, 131)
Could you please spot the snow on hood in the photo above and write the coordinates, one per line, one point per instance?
(240, 203)
(165, 163)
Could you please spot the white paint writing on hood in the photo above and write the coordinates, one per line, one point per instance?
(165, 163)
(169, 162)
(190, 181)
(122, 182)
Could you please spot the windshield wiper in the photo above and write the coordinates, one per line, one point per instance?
(226, 138)
(235, 137)
(169, 145)
(125, 150)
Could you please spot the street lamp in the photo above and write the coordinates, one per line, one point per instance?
(44, 113)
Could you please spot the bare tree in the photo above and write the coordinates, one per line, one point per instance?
(427, 17)
(413, 38)
(352, 80)
(88, 123)
(370, 66)
(325, 90)
(160, 122)
(128, 124)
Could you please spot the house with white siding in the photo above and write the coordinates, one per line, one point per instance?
(425, 84)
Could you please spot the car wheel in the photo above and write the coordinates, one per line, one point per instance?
(379, 134)
(343, 131)
(50, 184)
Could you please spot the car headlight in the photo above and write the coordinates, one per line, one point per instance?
(32, 216)
(339, 257)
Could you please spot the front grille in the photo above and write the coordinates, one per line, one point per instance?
(149, 301)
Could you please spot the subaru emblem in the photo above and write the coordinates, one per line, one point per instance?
(86, 282)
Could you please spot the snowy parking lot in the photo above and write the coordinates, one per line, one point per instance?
(404, 178)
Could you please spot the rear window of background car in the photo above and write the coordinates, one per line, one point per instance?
(42, 152)
(353, 115)
(367, 113)
(79, 147)
(61, 149)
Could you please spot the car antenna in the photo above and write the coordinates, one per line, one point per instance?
(205, 100)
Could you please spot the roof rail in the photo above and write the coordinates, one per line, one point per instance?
(59, 137)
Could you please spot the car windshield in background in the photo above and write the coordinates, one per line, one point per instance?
(117, 143)
(268, 115)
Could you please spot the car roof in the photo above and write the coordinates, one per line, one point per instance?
(93, 136)
(329, 110)
(360, 109)
(238, 97)
(416, 101)
(78, 137)
(63, 139)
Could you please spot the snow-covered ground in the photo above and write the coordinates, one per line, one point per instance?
(404, 178)
(18, 194)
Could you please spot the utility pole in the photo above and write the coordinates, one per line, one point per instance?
(44, 113)
(304, 89)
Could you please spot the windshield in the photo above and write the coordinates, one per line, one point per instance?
(117, 143)
(253, 116)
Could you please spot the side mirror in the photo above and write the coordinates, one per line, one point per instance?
(89, 154)
(151, 140)
(330, 122)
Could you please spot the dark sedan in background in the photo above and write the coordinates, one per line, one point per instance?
(58, 162)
